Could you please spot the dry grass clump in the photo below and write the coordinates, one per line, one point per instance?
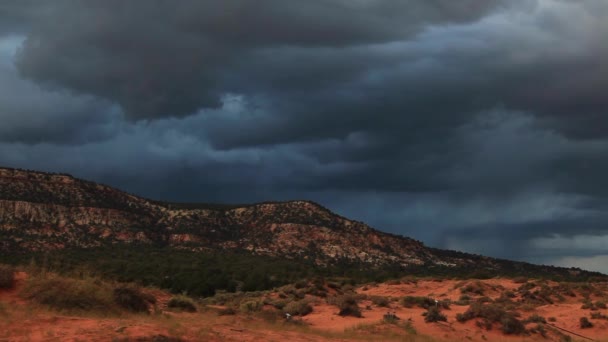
(85, 294)
(70, 294)
(380, 301)
(182, 303)
(298, 308)
(7, 277)
(250, 306)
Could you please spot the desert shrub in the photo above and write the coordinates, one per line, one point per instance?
(585, 323)
(226, 312)
(535, 319)
(512, 326)
(7, 277)
(598, 315)
(251, 306)
(588, 305)
(347, 304)
(552, 319)
(393, 282)
(299, 308)
(434, 315)
(70, 294)
(539, 329)
(484, 299)
(380, 301)
(422, 302)
(182, 303)
(132, 298)
(600, 305)
(279, 304)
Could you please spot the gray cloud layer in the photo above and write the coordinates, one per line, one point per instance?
(478, 125)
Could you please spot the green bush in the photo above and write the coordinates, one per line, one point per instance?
(298, 308)
(132, 298)
(434, 315)
(7, 277)
(182, 303)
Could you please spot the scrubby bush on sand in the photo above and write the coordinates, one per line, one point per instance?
(347, 304)
(493, 313)
(298, 308)
(379, 301)
(585, 323)
(434, 315)
(182, 303)
(251, 306)
(132, 298)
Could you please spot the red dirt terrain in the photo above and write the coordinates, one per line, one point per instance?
(22, 320)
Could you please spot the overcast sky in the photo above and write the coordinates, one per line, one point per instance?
(474, 125)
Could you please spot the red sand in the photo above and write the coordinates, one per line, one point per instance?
(23, 321)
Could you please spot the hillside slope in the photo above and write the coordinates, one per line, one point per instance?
(42, 211)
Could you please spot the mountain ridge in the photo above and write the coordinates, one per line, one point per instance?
(52, 211)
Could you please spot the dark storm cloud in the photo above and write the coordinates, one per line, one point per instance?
(476, 125)
(166, 58)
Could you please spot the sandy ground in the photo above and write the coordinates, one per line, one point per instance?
(23, 321)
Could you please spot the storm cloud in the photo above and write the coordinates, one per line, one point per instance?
(472, 125)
